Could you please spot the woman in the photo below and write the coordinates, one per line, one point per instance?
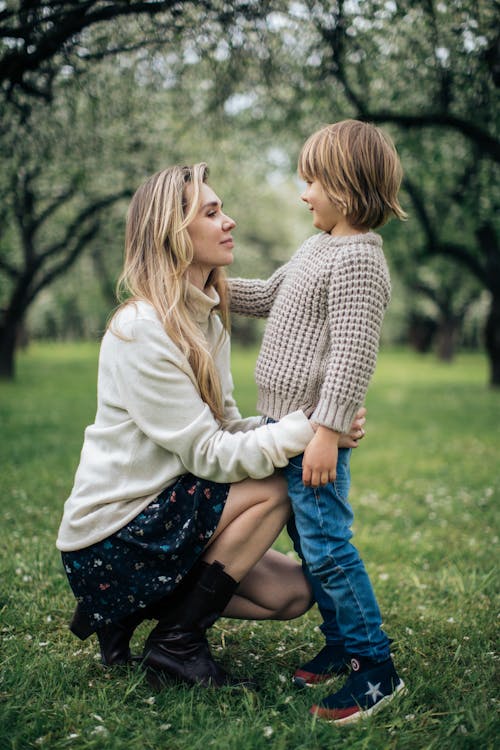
(175, 502)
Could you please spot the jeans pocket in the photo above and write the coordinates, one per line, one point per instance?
(342, 483)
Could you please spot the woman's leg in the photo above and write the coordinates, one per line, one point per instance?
(274, 589)
(253, 516)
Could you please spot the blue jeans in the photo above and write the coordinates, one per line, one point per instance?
(320, 529)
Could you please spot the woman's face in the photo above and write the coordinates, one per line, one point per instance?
(210, 233)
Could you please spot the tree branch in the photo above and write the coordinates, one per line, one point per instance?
(433, 245)
(83, 216)
(58, 201)
(487, 143)
(8, 269)
(65, 263)
(421, 211)
(335, 38)
(46, 35)
(460, 253)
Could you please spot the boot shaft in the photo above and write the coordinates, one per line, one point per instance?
(200, 606)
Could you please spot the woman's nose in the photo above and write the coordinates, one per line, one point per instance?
(228, 223)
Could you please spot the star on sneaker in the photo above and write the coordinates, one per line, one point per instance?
(374, 691)
(369, 687)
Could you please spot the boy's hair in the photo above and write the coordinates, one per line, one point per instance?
(359, 169)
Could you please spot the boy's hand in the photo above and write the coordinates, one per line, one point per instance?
(319, 465)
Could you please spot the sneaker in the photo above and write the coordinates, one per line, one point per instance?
(369, 687)
(331, 662)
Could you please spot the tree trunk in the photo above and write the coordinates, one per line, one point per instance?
(493, 339)
(8, 339)
(445, 339)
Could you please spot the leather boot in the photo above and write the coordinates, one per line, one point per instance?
(177, 648)
(114, 638)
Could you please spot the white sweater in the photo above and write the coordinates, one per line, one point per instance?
(152, 426)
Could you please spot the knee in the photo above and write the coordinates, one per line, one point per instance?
(296, 596)
(277, 493)
(323, 560)
(341, 563)
(297, 605)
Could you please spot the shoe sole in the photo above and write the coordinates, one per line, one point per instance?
(365, 713)
(301, 682)
(159, 680)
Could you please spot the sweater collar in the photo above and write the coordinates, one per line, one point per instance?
(365, 238)
(201, 303)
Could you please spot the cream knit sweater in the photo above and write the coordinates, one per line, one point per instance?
(325, 309)
(152, 426)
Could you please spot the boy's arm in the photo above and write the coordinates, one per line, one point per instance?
(357, 299)
(255, 297)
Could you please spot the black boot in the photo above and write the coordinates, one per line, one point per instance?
(177, 648)
(114, 638)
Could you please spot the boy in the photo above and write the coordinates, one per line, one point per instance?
(325, 309)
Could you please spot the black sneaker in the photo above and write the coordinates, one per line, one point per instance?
(369, 687)
(331, 661)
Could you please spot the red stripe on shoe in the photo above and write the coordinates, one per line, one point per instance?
(334, 714)
(311, 677)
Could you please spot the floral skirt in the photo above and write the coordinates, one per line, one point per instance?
(146, 559)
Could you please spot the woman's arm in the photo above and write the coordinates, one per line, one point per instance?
(158, 391)
(233, 421)
(255, 297)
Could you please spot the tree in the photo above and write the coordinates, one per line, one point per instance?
(52, 203)
(37, 37)
(429, 70)
(444, 297)
(439, 85)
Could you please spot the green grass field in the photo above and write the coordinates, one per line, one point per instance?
(426, 482)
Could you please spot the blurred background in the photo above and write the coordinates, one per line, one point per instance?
(96, 95)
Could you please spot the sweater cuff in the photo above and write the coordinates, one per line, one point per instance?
(338, 417)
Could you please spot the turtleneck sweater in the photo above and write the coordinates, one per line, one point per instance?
(325, 309)
(152, 426)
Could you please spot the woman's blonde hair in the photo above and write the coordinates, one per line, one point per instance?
(158, 253)
(359, 169)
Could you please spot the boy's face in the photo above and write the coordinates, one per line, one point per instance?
(326, 215)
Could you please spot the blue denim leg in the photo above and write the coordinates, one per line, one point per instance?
(329, 626)
(323, 519)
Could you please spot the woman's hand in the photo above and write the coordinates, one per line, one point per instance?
(356, 433)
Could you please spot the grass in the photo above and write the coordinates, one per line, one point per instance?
(426, 483)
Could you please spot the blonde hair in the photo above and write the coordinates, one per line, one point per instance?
(359, 169)
(158, 253)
